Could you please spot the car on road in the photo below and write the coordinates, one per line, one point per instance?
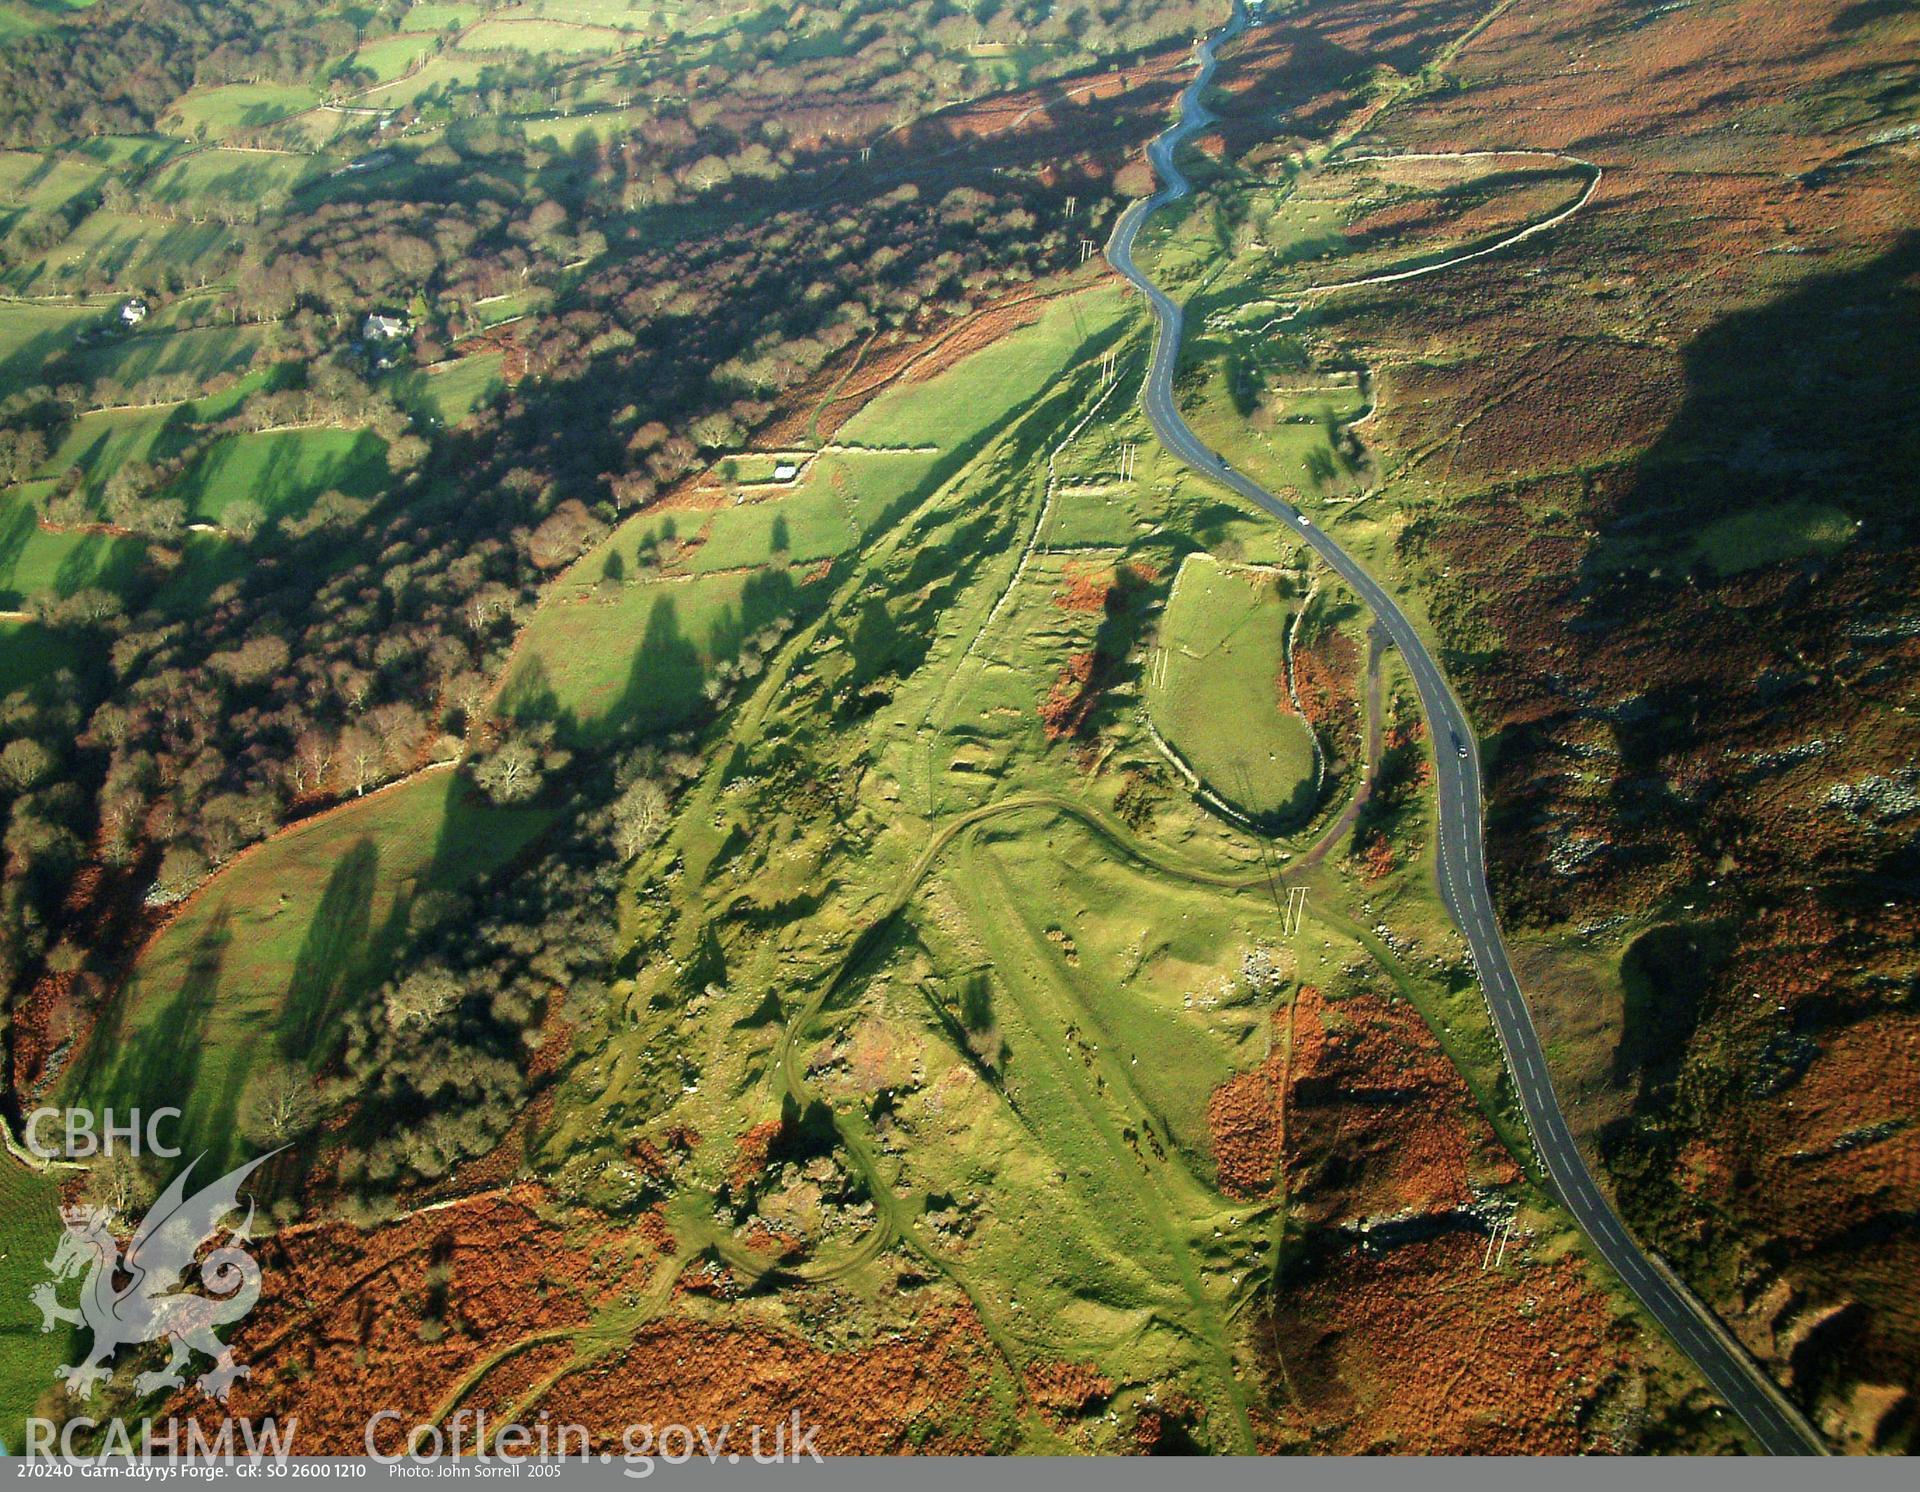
(1460, 748)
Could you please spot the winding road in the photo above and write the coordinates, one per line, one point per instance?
(1779, 1428)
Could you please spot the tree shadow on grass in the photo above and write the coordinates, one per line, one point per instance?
(765, 597)
(110, 563)
(158, 1064)
(335, 949)
(529, 694)
(665, 679)
(17, 526)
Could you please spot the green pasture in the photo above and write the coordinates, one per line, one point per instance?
(634, 656)
(613, 12)
(268, 956)
(227, 175)
(99, 444)
(282, 471)
(1315, 404)
(38, 565)
(30, 1228)
(809, 525)
(943, 410)
(127, 248)
(125, 150)
(32, 334)
(391, 56)
(1224, 393)
(449, 71)
(451, 393)
(1118, 949)
(45, 181)
(495, 309)
(540, 38)
(225, 110)
(565, 133)
(29, 17)
(1216, 689)
(202, 353)
(637, 15)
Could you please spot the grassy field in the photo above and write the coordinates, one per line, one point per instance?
(29, 1229)
(221, 175)
(682, 15)
(282, 471)
(635, 656)
(392, 56)
(32, 334)
(565, 132)
(38, 182)
(452, 393)
(541, 38)
(810, 524)
(125, 150)
(495, 309)
(102, 442)
(451, 72)
(25, 17)
(1232, 394)
(268, 955)
(201, 352)
(37, 564)
(1217, 690)
(124, 246)
(943, 411)
(219, 112)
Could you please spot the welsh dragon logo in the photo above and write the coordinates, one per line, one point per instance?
(139, 1295)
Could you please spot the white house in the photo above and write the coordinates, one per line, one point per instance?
(133, 312)
(381, 328)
